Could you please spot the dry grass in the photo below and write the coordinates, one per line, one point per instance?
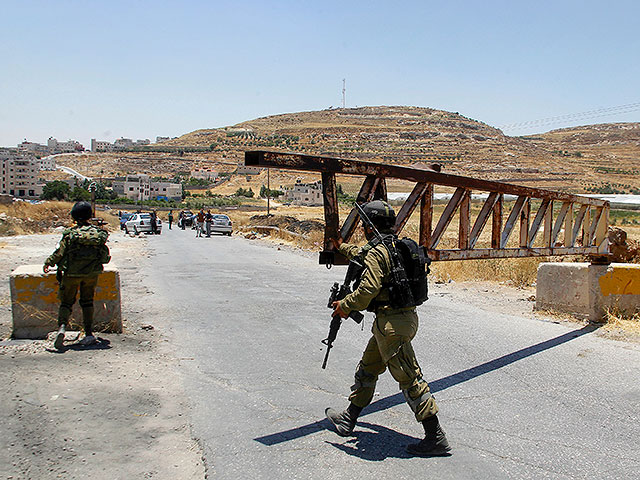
(614, 320)
(22, 218)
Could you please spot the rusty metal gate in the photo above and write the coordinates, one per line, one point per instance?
(583, 221)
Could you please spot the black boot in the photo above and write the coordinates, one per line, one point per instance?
(344, 422)
(434, 442)
(59, 342)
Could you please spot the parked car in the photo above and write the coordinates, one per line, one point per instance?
(141, 222)
(124, 218)
(221, 224)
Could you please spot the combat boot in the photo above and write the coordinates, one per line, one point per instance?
(344, 422)
(434, 442)
(59, 342)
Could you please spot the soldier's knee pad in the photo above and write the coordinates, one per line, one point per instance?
(363, 379)
(417, 395)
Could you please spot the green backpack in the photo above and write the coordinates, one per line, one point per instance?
(87, 250)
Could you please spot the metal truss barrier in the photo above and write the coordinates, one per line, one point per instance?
(567, 224)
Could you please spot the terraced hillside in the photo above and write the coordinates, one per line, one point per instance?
(598, 158)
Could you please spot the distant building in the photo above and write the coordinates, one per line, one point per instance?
(47, 163)
(101, 146)
(19, 175)
(204, 174)
(70, 146)
(119, 145)
(245, 170)
(140, 187)
(308, 194)
(33, 148)
(162, 139)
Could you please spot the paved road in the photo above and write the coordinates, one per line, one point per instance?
(519, 397)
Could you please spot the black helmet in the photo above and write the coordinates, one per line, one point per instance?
(381, 214)
(81, 211)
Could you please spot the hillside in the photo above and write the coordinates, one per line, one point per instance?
(603, 158)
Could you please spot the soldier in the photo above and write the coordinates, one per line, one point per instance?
(79, 257)
(170, 218)
(390, 345)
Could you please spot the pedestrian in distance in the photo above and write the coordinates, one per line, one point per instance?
(390, 344)
(170, 217)
(208, 218)
(154, 223)
(200, 223)
(79, 257)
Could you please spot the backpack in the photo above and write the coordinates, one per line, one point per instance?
(87, 250)
(409, 269)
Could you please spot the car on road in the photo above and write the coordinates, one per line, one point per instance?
(141, 223)
(221, 224)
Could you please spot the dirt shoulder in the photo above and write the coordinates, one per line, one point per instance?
(115, 410)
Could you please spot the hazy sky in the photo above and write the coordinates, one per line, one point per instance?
(139, 69)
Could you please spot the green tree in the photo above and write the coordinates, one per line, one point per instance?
(56, 190)
(78, 194)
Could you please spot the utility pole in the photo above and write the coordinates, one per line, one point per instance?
(268, 193)
(344, 93)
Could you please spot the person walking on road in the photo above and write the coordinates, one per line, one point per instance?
(390, 344)
(170, 217)
(80, 257)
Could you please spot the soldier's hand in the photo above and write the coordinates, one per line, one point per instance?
(336, 242)
(45, 268)
(338, 311)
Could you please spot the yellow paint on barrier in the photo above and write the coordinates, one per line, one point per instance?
(621, 281)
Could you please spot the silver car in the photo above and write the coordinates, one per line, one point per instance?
(141, 222)
(221, 224)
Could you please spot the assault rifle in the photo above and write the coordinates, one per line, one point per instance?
(399, 290)
(338, 292)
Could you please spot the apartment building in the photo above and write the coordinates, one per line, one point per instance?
(32, 148)
(118, 145)
(70, 146)
(140, 187)
(47, 163)
(19, 175)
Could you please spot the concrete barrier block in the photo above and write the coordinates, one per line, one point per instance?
(587, 290)
(34, 302)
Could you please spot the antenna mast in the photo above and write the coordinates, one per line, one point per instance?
(344, 93)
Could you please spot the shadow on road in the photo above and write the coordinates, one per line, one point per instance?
(436, 386)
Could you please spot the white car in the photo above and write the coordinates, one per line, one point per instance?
(141, 222)
(221, 224)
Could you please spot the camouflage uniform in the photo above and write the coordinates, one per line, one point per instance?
(79, 257)
(393, 329)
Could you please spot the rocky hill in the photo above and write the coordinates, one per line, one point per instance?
(596, 158)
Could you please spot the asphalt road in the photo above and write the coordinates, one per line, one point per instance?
(519, 396)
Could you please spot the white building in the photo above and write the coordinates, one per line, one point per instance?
(70, 146)
(19, 175)
(101, 146)
(140, 187)
(32, 148)
(47, 163)
(308, 194)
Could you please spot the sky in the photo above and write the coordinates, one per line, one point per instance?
(140, 69)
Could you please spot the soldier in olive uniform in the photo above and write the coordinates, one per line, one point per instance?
(79, 257)
(390, 345)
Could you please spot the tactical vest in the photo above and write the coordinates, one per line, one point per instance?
(406, 285)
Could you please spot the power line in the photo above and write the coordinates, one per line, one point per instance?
(600, 112)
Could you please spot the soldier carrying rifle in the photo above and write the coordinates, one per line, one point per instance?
(393, 329)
